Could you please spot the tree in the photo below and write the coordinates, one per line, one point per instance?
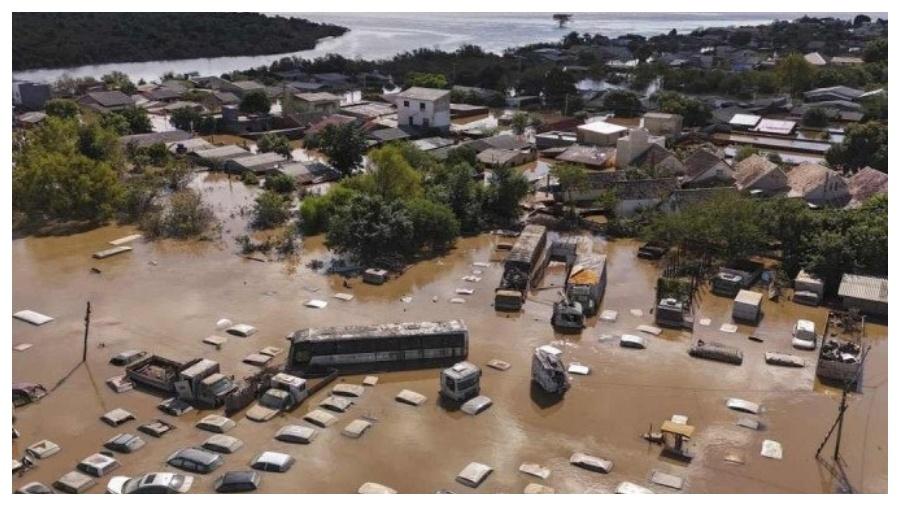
(795, 73)
(371, 230)
(280, 183)
(116, 80)
(185, 118)
(560, 90)
(61, 108)
(393, 178)
(519, 122)
(275, 143)
(694, 112)
(876, 51)
(571, 178)
(316, 210)
(255, 102)
(434, 225)
(506, 189)
(185, 216)
(426, 80)
(860, 20)
(454, 186)
(816, 117)
(622, 103)
(863, 145)
(344, 146)
(138, 121)
(270, 210)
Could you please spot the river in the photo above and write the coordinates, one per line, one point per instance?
(382, 35)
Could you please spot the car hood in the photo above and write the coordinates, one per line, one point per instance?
(115, 484)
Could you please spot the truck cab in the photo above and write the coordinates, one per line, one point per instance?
(568, 316)
(294, 389)
(548, 370)
(201, 383)
(461, 382)
(508, 300)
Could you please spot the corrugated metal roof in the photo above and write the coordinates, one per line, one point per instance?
(864, 287)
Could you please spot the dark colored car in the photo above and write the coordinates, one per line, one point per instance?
(237, 481)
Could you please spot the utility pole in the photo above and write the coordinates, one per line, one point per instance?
(87, 326)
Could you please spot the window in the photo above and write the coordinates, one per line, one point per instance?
(421, 106)
(425, 122)
(406, 103)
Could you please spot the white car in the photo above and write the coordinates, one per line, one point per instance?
(804, 335)
(150, 483)
(272, 462)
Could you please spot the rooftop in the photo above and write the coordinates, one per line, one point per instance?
(317, 97)
(417, 93)
(602, 127)
(864, 287)
(379, 331)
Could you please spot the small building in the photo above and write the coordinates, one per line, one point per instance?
(260, 164)
(600, 133)
(369, 111)
(705, 169)
(30, 96)
(385, 135)
(634, 196)
(865, 184)
(776, 127)
(223, 98)
(635, 144)
(30, 119)
(162, 94)
(846, 61)
(832, 93)
(467, 110)
(424, 108)
(333, 119)
(866, 293)
(189, 146)
(815, 59)
(818, 185)
(555, 139)
(758, 175)
(321, 102)
(241, 88)
(313, 172)
(432, 143)
(148, 139)
(660, 123)
(105, 101)
(215, 158)
(741, 121)
(493, 157)
(232, 121)
(805, 282)
(658, 160)
(593, 157)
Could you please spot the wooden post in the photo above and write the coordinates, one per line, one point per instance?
(87, 326)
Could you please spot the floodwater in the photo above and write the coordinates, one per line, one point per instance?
(384, 34)
(166, 296)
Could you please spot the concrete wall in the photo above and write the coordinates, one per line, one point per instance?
(434, 114)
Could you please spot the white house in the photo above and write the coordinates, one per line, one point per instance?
(423, 107)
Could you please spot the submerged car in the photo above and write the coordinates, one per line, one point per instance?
(150, 483)
(237, 481)
(216, 423)
(220, 443)
(26, 393)
(124, 443)
(98, 465)
(127, 357)
(195, 460)
(35, 487)
(272, 462)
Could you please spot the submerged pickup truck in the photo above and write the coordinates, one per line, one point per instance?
(198, 382)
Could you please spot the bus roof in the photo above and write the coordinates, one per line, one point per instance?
(384, 330)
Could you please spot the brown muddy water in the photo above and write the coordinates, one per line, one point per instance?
(165, 297)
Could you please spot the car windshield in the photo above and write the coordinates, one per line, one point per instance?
(272, 400)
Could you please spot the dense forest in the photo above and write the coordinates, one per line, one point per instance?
(46, 39)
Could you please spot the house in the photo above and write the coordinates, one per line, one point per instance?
(259, 164)
(554, 139)
(305, 86)
(660, 123)
(502, 141)
(593, 157)
(815, 58)
(684, 198)
(333, 119)
(866, 293)
(424, 107)
(149, 139)
(493, 157)
(659, 161)
(704, 169)
(189, 146)
(775, 126)
(846, 61)
(223, 98)
(385, 135)
(215, 158)
(758, 175)
(332, 79)
(105, 101)
(30, 119)
(162, 94)
(633, 145)
(818, 185)
(312, 172)
(432, 143)
(369, 111)
(321, 102)
(232, 121)
(866, 184)
(241, 88)
(600, 133)
(30, 96)
(832, 93)
(634, 196)
(741, 121)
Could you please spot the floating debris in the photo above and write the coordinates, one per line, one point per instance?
(682, 419)
(580, 369)
(537, 488)
(636, 312)
(356, 428)
(125, 240)
(535, 470)
(474, 474)
(626, 487)
(370, 381)
(771, 449)
(742, 405)
(477, 272)
(215, 340)
(706, 322)
(784, 359)
(755, 339)
(410, 397)
(257, 359)
(711, 350)
(734, 458)
(118, 250)
(272, 351)
(748, 423)
(346, 297)
(241, 330)
(471, 279)
(650, 329)
(457, 300)
(609, 315)
(320, 418)
(43, 449)
(223, 323)
(591, 463)
(316, 304)
(375, 488)
(630, 341)
(729, 328)
(120, 384)
(667, 480)
(500, 365)
(23, 347)
(465, 291)
(482, 265)
(476, 405)
(406, 299)
(32, 317)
